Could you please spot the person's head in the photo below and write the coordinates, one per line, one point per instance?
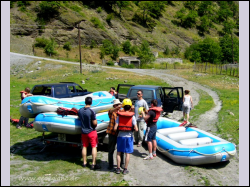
(117, 103)
(112, 89)
(139, 94)
(88, 101)
(186, 91)
(154, 102)
(126, 104)
(27, 89)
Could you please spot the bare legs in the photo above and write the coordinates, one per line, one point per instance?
(84, 155)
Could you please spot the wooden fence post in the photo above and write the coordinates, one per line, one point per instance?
(231, 71)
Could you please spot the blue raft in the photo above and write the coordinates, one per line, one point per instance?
(191, 145)
(34, 105)
(70, 124)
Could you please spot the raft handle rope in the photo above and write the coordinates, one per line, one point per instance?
(59, 102)
(190, 151)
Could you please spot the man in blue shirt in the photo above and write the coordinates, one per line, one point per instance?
(89, 135)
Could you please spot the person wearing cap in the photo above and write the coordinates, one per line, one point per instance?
(187, 104)
(112, 134)
(125, 124)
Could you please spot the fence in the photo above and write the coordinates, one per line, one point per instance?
(218, 69)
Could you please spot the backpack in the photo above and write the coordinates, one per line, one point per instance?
(65, 111)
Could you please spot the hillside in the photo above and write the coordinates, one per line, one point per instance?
(98, 21)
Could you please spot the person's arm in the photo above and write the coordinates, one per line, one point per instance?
(116, 123)
(191, 100)
(94, 122)
(93, 117)
(134, 123)
(146, 117)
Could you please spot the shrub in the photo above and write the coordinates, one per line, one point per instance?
(93, 44)
(97, 23)
(99, 9)
(50, 47)
(166, 51)
(110, 63)
(41, 42)
(109, 17)
(67, 46)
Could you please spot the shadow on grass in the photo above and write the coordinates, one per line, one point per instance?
(35, 150)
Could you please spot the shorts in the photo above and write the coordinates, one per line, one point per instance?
(91, 138)
(125, 144)
(186, 109)
(150, 133)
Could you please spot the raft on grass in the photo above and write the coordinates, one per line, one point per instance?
(31, 106)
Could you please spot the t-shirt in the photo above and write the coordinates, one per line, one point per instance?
(150, 119)
(126, 133)
(86, 115)
(138, 104)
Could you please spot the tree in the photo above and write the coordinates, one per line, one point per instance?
(121, 5)
(49, 49)
(115, 52)
(145, 54)
(191, 4)
(126, 47)
(226, 48)
(224, 11)
(48, 9)
(166, 51)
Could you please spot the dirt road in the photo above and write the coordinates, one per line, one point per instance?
(163, 171)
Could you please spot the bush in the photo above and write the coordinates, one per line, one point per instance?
(93, 44)
(110, 63)
(99, 9)
(67, 46)
(41, 42)
(109, 17)
(50, 48)
(97, 23)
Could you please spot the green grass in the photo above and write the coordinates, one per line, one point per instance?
(205, 103)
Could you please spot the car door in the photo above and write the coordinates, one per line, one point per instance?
(122, 90)
(173, 99)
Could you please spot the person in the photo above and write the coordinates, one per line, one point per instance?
(89, 135)
(112, 91)
(187, 104)
(151, 119)
(125, 124)
(25, 93)
(112, 134)
(140, 121)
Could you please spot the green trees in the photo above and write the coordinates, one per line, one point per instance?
(145, 54)
(126, 47)
(109, 49)
(187, 19)
(207, 50)
(48, 9)
(230, 48)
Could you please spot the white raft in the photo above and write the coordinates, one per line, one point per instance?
(70, 124)
(191, 146)
(34, 105)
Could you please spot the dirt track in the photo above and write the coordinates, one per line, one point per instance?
(163, 171)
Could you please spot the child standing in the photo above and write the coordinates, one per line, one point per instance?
(125, 124)
(25, 93)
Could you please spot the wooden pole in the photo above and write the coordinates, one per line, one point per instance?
(79, 38)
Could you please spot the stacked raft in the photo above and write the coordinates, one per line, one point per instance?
(43, 109)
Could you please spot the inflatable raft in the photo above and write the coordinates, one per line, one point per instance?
(190, 145)
(32, 106)
(70, 124)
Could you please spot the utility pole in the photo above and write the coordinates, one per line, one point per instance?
(232, 46)
(79, 38)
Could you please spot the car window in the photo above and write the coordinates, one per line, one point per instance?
(42, 90)
(60, 90)
(172, 94)
(147, 94)
(158, 94)
(78, 88)
(71, 89)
